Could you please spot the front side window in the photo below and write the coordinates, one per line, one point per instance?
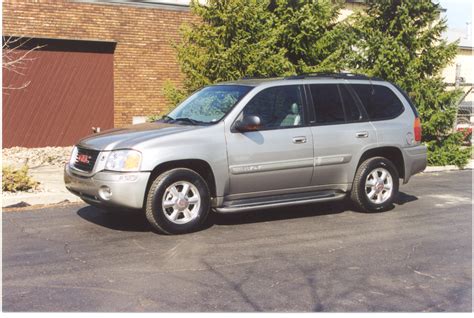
(379, 101)
(208, 105)
(327, 104)
(277, 107)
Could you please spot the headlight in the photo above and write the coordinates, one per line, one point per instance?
(124, 160)
(73, 158)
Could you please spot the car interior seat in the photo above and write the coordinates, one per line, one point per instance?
(293, 118)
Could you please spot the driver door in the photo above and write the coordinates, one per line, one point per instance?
(279, 155)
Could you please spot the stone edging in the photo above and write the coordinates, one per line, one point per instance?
(444, 168)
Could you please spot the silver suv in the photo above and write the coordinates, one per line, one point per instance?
(254, 144)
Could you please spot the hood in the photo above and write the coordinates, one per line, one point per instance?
(130, 136)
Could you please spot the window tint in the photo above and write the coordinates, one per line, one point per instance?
(350, 105)
(379, 101)
(327, 103)
(279, 106)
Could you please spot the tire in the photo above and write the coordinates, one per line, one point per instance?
(372, 191)
(170, 210)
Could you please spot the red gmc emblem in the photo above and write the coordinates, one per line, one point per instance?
(83, 158)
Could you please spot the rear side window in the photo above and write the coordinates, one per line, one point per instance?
(379, 101)
(327, 104)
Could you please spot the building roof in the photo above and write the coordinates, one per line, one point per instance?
(463, 35)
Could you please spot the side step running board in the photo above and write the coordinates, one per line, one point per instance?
(278, 201)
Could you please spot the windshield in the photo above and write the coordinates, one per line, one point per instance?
(208, 105)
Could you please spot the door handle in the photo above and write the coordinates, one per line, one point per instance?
(362, 134)
(299, 140)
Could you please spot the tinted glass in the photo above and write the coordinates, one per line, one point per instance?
(379, 101)
(279, 106)
(210, 104)
(350, 105)
(327, 103)
(407, 97)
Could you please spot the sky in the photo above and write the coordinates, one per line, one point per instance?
(458, 12)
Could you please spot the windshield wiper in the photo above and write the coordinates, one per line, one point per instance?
(189, 120)
(166, 118)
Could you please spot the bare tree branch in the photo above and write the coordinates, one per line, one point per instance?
(15, 56)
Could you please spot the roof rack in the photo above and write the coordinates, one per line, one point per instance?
(257, 77)
(333, 75)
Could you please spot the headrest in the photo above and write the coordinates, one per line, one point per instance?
(295, 109)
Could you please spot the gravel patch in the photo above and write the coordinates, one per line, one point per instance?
(35, 157)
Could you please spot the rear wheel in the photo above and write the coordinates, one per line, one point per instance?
(375, 186)
(178, 202)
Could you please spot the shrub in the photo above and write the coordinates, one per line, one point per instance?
(17, 179)
(153, 118)
(448, 152)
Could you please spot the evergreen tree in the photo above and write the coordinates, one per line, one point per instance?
(233, 39)
(401, 41)
(311, 33)
(257, 38)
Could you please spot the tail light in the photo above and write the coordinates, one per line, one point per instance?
(417, 129)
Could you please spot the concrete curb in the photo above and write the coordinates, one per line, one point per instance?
(469, 166)
(443, 168)
(42, 198)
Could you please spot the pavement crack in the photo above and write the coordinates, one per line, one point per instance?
(420, 273)
(412, 251)
(377, 293)
(68, 250)
(139, 245)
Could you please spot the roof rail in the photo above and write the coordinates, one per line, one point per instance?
(333, 75)
(257, 77)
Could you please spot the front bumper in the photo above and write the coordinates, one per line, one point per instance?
(415, 159)
(124, 189)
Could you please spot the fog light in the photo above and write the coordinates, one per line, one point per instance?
(105, 193)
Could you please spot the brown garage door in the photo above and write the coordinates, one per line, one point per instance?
(58, 92)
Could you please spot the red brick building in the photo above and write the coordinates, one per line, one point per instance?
(99, 64)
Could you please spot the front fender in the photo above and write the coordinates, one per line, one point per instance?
(207, 144)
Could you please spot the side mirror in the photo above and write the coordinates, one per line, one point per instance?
(248, 123)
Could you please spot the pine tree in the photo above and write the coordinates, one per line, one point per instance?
(401, 41)
(257, 38)
(234, 39)
(311, 33)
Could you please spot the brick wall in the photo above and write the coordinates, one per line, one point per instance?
(144, 57)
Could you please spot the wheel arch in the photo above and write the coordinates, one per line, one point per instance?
(391, 153)
(199, 166)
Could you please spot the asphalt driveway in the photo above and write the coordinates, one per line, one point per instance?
(324, 257)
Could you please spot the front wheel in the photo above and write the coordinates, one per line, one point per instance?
(178, 202)
(375, 186)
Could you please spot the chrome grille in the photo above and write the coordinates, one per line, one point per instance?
(85, 159)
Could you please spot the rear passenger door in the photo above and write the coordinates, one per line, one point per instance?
(341, 132)
(386, 113)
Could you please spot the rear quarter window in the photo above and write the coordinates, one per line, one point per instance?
(379, 101)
